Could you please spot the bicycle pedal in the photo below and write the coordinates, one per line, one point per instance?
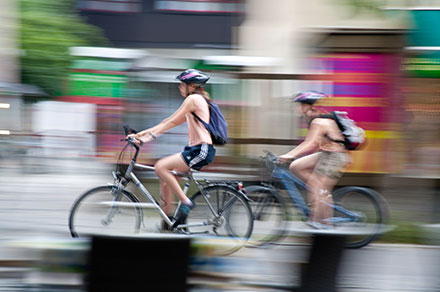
(202, 232)
(180, 231)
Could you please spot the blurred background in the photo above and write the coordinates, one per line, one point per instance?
(73, 72)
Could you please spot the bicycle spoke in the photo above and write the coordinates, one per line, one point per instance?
(231, 219)
(99, 212)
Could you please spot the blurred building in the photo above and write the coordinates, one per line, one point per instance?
(166, 24)
(261, 52)
(10, 89)
(12, 114)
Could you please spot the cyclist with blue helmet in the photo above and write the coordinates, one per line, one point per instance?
(320, 158)
(199, 152)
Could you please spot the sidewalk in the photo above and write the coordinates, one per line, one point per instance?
(378, 267)
(37, 205)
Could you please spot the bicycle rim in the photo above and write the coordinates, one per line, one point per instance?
(228, 232)
(270, 217)
(368, 207)
(99, 211)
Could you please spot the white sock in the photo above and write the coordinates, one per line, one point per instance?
(187, 202)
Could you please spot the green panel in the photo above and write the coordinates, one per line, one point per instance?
(100, 65)
(85, 84)
(427, 66)
(425, 33)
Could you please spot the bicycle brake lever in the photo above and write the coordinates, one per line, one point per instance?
(129, 130)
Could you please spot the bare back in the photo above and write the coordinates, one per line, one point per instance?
(197, 133)
(328, 134)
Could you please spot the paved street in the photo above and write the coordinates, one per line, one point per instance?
(36, 205)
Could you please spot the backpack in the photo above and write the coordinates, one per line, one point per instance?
(217, 127)
(354, 136)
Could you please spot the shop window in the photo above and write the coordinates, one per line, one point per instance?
(201, 6)
(122, 6)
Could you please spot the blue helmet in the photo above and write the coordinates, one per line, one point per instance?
(193, 76)
(309, 97)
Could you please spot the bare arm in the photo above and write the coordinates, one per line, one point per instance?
(177, 118)
(310, 144)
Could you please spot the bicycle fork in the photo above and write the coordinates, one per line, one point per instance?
(116, 192)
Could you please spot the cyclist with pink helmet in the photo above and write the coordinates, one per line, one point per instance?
(320, 158)
(200, 150)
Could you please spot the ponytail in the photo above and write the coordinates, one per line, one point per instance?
(202, 92)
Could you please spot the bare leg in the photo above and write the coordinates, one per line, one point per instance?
(321, 196)
(166, 198)
(304, 166)
(164, 166)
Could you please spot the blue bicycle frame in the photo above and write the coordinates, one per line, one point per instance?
(291, 183)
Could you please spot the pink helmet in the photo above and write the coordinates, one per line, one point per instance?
(193, 76)
(309, 97)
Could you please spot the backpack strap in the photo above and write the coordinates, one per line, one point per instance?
(198, 118)
(332, 116)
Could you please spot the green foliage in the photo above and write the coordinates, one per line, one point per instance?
(48, 28)
(406, 233)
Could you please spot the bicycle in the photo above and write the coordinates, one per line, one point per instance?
(220, 208)
(354, 207)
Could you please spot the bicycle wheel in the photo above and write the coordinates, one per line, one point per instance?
(270, 215)
(223, 213)
(364, 212)
(104, 210)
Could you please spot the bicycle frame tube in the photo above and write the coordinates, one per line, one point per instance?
(291, 182)
(144, 190)
(129, 174)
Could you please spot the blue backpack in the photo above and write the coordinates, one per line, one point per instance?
(217, 127)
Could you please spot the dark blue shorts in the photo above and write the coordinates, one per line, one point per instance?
(199, 155)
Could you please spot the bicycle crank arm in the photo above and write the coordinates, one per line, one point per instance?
(193, 225)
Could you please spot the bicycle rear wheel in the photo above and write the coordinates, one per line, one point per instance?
(105, 210)
(270, 215)
(223, 213)
(363, 211)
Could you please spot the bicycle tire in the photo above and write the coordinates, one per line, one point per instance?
(271, 215)
(90, 213)
(232, 229)
(367, 203)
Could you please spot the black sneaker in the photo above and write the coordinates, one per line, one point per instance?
(182, 214)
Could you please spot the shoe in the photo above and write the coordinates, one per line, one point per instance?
(182, 214)
(318, 225)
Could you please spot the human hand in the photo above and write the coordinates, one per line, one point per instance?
(138, 140)
(284, 159)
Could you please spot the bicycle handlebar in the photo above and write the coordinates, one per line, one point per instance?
(131, 140)
(271, 161)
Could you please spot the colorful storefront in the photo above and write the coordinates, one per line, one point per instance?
(365, 86)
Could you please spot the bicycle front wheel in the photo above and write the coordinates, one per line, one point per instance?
(270, 215)
(362, 211)
(224, 213)
(105, 210)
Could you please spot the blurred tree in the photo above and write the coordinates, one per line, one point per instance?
(48, 28)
